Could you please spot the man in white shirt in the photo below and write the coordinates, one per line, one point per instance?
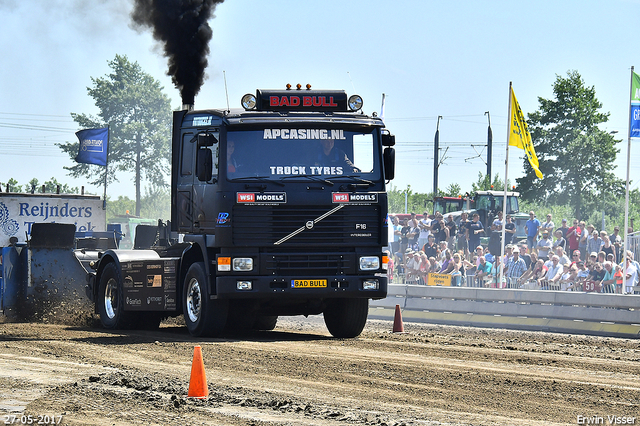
(548, 225)
(555, 270)
(632, 276)
(425, 225)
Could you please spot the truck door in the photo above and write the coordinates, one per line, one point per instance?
(184, 199)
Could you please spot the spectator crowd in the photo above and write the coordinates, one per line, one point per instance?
(570, 258)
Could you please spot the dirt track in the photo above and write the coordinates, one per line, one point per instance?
(298, 375)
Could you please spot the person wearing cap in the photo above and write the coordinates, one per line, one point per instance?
(515, 268)
(544, 246)
(583, 272)
(532, 228)
(564, 228)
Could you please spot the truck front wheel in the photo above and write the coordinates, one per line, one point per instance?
(111, 300)
(203, 316)
(345, 318)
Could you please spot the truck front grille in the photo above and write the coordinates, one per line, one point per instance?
(264, 226)
(316, 264)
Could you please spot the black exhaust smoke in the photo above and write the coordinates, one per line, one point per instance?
(183, 27)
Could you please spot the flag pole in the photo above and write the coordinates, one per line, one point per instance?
(506, 175)
(626, 197)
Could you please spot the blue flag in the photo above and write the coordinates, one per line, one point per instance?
(634, 125)
(94, 145)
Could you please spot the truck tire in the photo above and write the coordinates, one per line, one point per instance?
(202, 315)
(265, 322)
(110, 301)
(345, 318)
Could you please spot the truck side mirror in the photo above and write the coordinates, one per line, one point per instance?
(204, 164)
(389, 158)
(388, 139)
(206, 139)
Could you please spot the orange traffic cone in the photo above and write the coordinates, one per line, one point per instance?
(198, 383)
(398, 327)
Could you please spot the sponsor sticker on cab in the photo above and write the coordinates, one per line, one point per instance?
(308, 283)
(357, 198)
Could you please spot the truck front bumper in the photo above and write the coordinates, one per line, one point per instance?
(260, 287)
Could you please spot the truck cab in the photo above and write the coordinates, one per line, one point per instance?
(283, 209)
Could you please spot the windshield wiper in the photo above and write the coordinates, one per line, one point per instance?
(259, 178)
(359, 179)
(315, 178)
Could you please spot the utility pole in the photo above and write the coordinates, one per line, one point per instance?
(489, 145)
(436, 159)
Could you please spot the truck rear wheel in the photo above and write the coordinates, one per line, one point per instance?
(203, 316)
(345, 318)
(111, 300)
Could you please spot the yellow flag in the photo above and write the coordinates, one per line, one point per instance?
(519, 135)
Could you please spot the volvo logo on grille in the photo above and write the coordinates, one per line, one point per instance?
(309, 224)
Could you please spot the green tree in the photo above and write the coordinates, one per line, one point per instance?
(453, 190)
(12, 186)
(415, 202)
(121, 206)
(576, 157)
(484, 183)
(138, 114)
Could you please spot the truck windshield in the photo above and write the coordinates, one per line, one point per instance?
(288, 153)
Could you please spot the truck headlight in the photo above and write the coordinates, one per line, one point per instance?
(355, 102)
(244, 285)
(371, 285)
(369, 263)
(249, 101)
(242, 264)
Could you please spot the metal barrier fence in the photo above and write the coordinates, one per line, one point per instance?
(508, 283)
(634, 245)
(544, 310)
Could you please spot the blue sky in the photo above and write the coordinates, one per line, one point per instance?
(449, 59)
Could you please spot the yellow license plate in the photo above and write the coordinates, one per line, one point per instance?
(308, 283)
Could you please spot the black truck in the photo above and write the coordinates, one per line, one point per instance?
(281, 209)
